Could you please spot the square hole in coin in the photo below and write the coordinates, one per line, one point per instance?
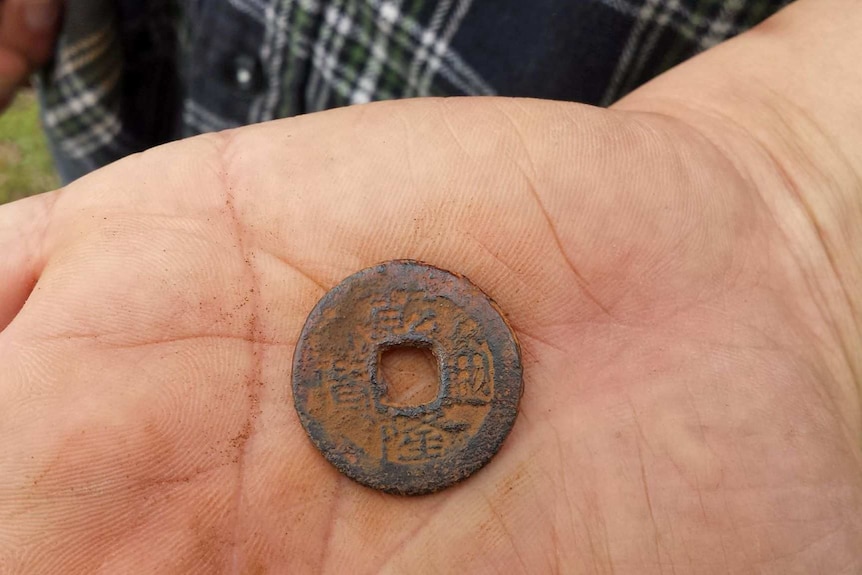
(408, 375)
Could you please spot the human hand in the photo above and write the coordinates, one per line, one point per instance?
(28, 31)
(690, 397)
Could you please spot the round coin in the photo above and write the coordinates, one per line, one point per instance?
(341, 394)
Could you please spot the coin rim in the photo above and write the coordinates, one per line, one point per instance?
(408, 479)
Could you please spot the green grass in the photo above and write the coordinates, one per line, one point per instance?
(25, 163)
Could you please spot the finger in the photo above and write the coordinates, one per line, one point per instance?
(30, 28)
(22, 251)
(13, 72)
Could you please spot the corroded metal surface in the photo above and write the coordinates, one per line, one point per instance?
(342, 398)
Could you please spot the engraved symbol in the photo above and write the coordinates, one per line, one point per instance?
(349, 393)
(410, 441)
(470, 383)
(466, 328)
(420, 444)
(422, 320)
(387, 315)
(345, 388)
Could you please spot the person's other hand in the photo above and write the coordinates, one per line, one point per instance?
(28, 31)
(688, 314)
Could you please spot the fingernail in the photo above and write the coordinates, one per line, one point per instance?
(41, 15)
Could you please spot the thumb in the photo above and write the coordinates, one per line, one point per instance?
(23, 226)
(28, 31)
(29, 27)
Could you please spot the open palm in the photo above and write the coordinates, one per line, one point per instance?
(687, 402)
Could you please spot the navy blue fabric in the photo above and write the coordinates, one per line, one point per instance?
(555, 50)
(131, 74)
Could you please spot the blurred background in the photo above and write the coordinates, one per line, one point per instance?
(26, 167)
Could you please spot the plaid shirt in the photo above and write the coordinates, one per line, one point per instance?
(131, 74)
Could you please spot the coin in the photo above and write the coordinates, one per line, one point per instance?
(342, 397)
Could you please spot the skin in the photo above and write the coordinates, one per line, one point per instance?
(28, 30)
(679, 270)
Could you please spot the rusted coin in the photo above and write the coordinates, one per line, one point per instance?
(341, 395)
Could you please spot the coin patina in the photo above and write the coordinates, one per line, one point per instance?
(341, 395)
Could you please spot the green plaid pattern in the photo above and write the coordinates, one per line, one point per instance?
(348, 52)
(693, 27)
(81, 109)
(129, 74)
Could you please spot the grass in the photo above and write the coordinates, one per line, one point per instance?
(26, 167)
